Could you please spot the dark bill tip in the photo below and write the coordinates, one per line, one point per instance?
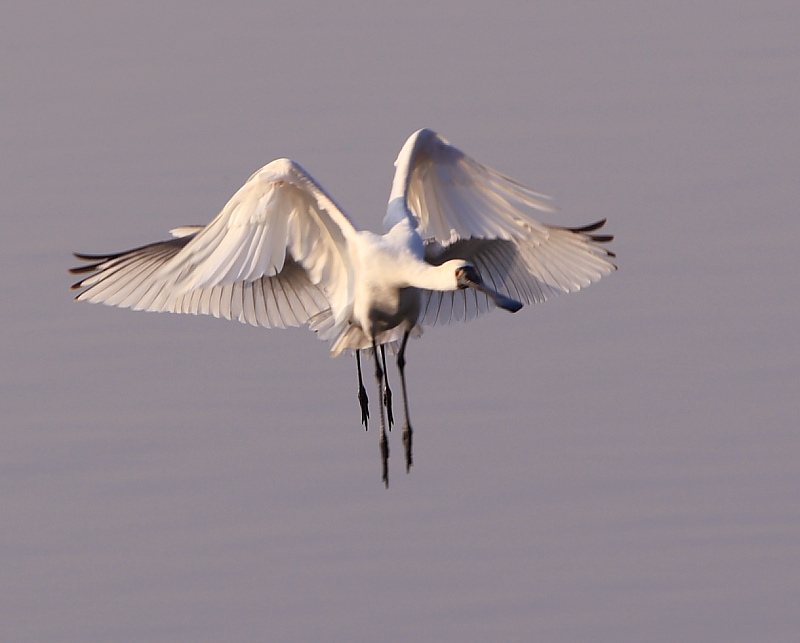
(506, 303)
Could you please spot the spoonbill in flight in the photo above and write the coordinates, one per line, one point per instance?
(460, 240)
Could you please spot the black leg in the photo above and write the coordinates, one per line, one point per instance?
(387, 392)
(408, 433)
(384, 443)
(362, 394)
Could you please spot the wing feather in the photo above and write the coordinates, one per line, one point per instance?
(465, 210)
(275, 256)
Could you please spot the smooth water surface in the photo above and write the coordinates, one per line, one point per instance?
(616, 465)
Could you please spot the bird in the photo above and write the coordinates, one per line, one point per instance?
(460, 239)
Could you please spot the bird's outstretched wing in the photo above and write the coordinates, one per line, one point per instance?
(275, 256)
(468, 211)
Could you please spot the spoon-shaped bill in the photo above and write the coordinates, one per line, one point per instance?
(468, 277)
(501, 301)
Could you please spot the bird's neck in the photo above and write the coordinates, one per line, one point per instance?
(436, 277)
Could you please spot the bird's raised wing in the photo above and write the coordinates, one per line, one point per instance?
(276, 255)
(465, 210)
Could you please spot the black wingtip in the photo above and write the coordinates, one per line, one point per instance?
(590, 227)
(95, 262)
(595, 238)
(78, 270)
(85, 257)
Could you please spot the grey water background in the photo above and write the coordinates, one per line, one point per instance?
(616, 465)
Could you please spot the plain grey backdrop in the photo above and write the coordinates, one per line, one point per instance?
(616, 465)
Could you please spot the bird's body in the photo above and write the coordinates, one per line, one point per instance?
(385, 299)
(459, 241)
(390, 273)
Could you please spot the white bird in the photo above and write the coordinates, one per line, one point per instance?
(460, 240)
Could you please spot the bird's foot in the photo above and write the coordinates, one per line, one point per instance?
(384, 447)
(387, 402)
(364, 402)
(408, 438)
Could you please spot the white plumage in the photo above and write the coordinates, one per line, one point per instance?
(460, 240)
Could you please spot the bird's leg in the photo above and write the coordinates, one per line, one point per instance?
(362, 394)
(387, 392)
(408, 433)
(384, 443)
